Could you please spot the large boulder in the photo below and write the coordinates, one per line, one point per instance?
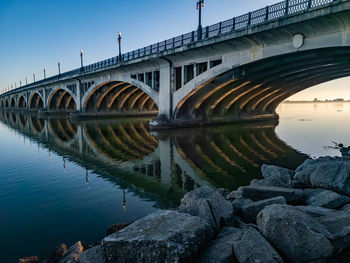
(256, 193)
(165, 236)
(246, 245)
(332, 173)
(207, 204)
(346, 208)
(297, 236)
(250, 210)
(338, 224)
(325, 198)
(57, 254)
(92, 255)
(73, 253)
(275, 176)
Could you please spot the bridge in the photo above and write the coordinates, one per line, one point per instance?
(236, 70)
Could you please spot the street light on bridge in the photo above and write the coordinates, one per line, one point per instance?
(81, 58)
(59, 67)
(120, 45)
(44, 73)
(200, 5)
(34, 77)
(26, 81)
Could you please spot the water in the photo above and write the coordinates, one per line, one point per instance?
(63, 181)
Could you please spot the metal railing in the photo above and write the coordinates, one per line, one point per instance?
(262, 15)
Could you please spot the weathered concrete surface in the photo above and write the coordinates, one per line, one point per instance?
(294, 234)
(332, 173)
(207, 204)
(325, 198)
(165, 236)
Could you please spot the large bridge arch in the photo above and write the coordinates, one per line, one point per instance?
(21, 102)
(257, 88)
(62, 99)
(128, 96)
(36, 101)
(13, 102)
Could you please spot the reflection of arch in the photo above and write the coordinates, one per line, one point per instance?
(13, 102)
(22, 104)
(263, 85)
(37, 124)
(119, 96)
(36, 102)
(228, 155)
(62, 129)
(62, 100)
(22, 119)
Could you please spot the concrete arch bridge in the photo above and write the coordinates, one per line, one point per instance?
(239, 69)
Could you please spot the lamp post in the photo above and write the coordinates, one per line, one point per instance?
(200, 5)
(20, 83)
(44, 73)
(26, 81)
(120, 45)
(34, 77)
(59, 67)
(81, 58)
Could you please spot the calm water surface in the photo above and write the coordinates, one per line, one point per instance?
(63, 181)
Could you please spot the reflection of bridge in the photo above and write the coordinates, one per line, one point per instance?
(167, 165)
(241, 69)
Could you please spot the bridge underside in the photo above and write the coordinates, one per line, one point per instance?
(119, 98)
(253, 91)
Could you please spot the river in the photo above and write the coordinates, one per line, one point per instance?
(62, 181)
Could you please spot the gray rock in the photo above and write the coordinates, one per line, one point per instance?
(338, 224)
(33, 259)
(296, 235)
(92, 255)
(209, 205)
(238, 203)
(256, 193)
(116, 227)
(235, 194)
(325, 198)
(346, 208)
(332, 173)
(165, 236)
(73, 253)
(315, 211)
(57, 254)
(247, 245)
(251, 210)
(251, 247)
(272, 170)
(223, 191)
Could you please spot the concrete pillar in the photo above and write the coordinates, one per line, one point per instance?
(79, 96)
(165, 90)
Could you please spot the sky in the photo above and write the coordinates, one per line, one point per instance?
(36, 33)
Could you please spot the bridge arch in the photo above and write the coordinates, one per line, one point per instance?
(36, 102)
(21, 102)
(63, 100)
(6, 103)
(256, 89)
(128, 97)
(12, 102)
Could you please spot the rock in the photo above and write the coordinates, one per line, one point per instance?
(251, 246)
(73, 253)
(238, 203)
(116, 227)
(251, 210)
(165, 236)
(272, 170)
(332, 173)
(275, 176)
(315, 211)
(325, 198)
(256, 193)
(346, 208)
(57, 254)
(223, 191)
(235, 194)
(34, 259)
(92, 255)
(296, 235)
(247, 245)
(208, 204)
(338, 224)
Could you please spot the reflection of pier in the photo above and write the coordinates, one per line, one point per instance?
(163, 167)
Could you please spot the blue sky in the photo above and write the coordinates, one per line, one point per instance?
(36, 33)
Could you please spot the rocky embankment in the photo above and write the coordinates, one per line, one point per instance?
(289, 216)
